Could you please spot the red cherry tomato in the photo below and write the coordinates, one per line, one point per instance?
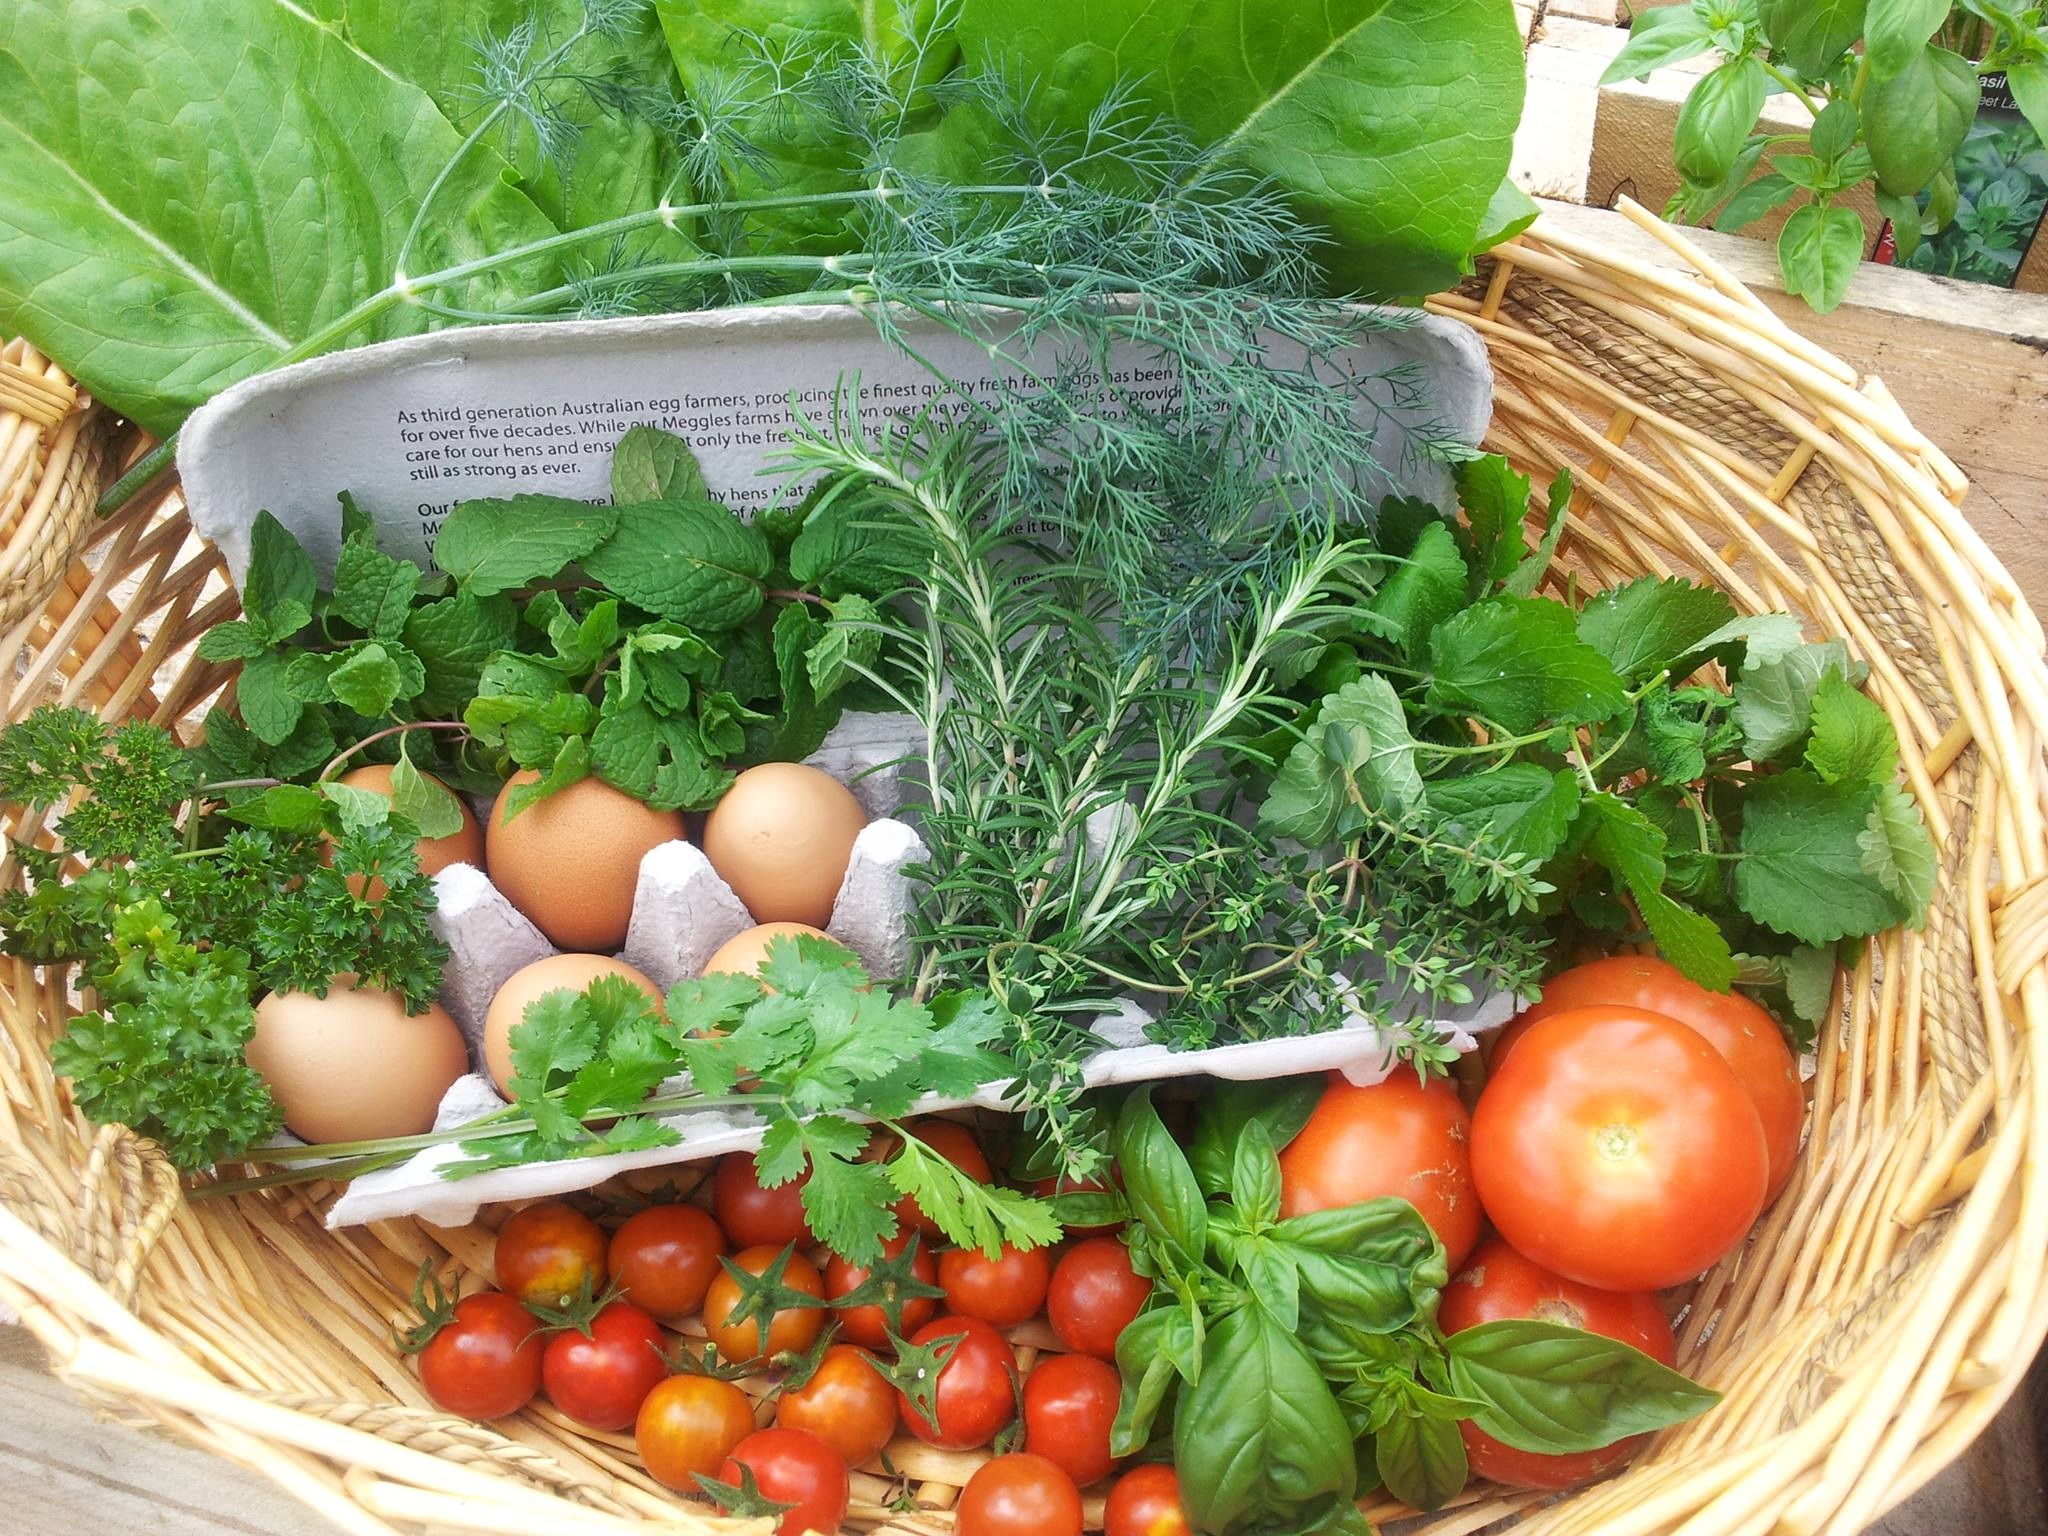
(1617, 1148)
(869, 1325)
(1747, 1038)
(794, 1467)
(548, 1253)
(485, 1362)
(952, 1141)
(1019, 1495)
(786, 1330)
(1398, 1137)
(753, 1217)
(601, 1379)
(1499, 1283)
(663, 1259)
(976, 1391)
(846, 1403)
(1145, 1502)
(1093, 1296)
(687, 1426)
(1003, 1291)
(1069, 1406)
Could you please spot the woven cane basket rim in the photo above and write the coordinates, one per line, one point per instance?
(1887, 1306)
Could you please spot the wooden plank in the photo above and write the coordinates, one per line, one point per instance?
(64, 1471)
(1968, 363)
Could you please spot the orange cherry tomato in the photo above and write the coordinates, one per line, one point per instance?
(1145, 1502)
(790, 1330)
(846, 1403)
(687, 1426)
(869, 1325)
(547, 1253)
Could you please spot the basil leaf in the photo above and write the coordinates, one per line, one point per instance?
(1421, 1459)
(1716, 118)
(1753, 201)
(1666, 35)
(1916, 121)
(1259, 1441)
(1812, 33)
(1895, 32)
(1281, 1106)
(1558, 1391)
(1145, 1355)
(1255, 1176)
(1158, 1183)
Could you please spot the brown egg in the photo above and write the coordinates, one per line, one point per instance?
(781, 837)
(465, 845)
(354, 1065)
(571, 861)
(575, 972)
(743, 953)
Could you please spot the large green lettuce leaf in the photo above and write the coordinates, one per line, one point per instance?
(190, 188)
(1389, 120)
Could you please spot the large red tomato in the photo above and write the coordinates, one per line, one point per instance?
(484, 1361)
(975, 1394)
(1499, 1283)
(1617, 1148)
(600, 1378)
(1399, 1137)
(794, 1467)
(1748, 1038)
(1069, 1405)
(1019, 1495)
(846, 1403)
(665, 1257)
(687, 1426)
(1093, 1296)
(547, 1253)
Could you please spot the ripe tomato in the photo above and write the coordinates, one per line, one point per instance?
(975, 1394)
(1617, 1148)
(793, 1329)
(1093, 1296)
(869, 1325)
(688, 1425)
(952, 1141)
(1069, 1406)
(1019, 1495)
(846, 1403)
(794, 1467)
(549, 1252)
(601, 1379)
(1145, 1502)
(663, 1259)
(753, 1217)
(1499, 1283)
(1747, 1038)
(1003, 1291)
(485, 1362)
(1398, 1137)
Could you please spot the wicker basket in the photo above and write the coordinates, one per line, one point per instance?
(1891, 1301)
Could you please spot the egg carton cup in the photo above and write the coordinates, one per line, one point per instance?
(683, 912)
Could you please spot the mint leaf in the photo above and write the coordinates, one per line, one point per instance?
(571, 763)
(852, 639)
(356, 809)
(1802, 869)
(1646, 625)
(232, 640)
(1627, 842)
(850, 543)
(802, 725)
(373, 591)
(1496, 501)
(369, 680)
(1674, 743)
(1528, 575)
(1809, 975)
(626, 748)
(453, 638)
(1853, 741)
(1427, 588)
(1774, 699)
(278, 591)
(1518, 661)
(652, 465)
(1518, 808)
(1750, 640)
(268, 706)
(495, 546)
(424, 800)
(691, 561)
(1898, 851)
(1355, 754)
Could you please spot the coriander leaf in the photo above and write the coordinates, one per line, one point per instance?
(1427, 588)
(1774, 698)
(1528, 575)
(1355, 754)
(635, 1053)
(1802, 869)
(278, 591)
(424, 800)
(1898, 851)
(373, 591)
(651, 465)
(1625, 841)
(1518, 808)
(1853, 741)
(691, 561)
(268, 706)
(971, 1214)
(555, 1038)
(1646, 625)
(849, 1204)
(1496, 501)
(493, 546)
(1519, 661)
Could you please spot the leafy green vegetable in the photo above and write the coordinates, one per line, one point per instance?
(690, 561)
(500, 546)
(1557, 1390)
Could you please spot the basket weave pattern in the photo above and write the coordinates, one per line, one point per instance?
(1885, 1309)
